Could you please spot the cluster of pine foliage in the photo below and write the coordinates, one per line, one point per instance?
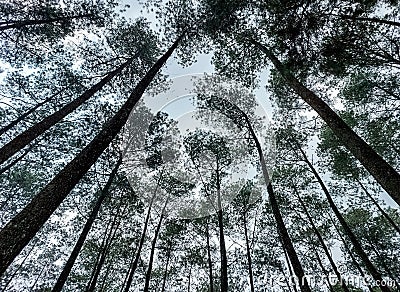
(73, 219)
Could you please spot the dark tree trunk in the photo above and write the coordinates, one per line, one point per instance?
(321, 241)
(209, 259)
(27, 113)
(282, 231)
(324, 271)
(289, 266)
(222, 247)
(38, 129)
(21, 229)
(386, 215)
(153, 248)
(15, 161)
(165, 276)
(105, 251)
(368, 19)
(356, 244)
(384, 174)
(21, 24)
(347, 248)
(135, 260)
(248, 253)
(88, 225)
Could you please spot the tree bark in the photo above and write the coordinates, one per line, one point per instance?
(356, 244)
(88, 225)
(384, 173)
(21, 229)
(38, 129)
(324, 271)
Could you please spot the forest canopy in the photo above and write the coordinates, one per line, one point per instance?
(277, 170)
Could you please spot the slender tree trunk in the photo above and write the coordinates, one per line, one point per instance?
(321, 241)
(106, 250)
(347, 248)
(289, 266)
(210, 269)
(20, 230)
(288, 284)
(165, 276)
(38, 129)
(88, 225)
(356, 244)
(19, 266)
(384, 174)
(190, 276)
(324, 271)
(368, 19)
(135, 261)
(282, 231)
(248, 253)
(381, 260)
(38, 277)
(27, 113)
(24, 23)
(153, 248)
(222, 247)
(383, 212)
(15, 161)
(107, 273)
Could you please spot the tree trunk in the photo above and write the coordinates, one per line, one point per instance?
(15, 161)
(222, 247)
(23, 227)
(386, 215)
(38, 129)
(88, 225)
(210, 269)
(384, 174)
(135, 261)
(20, 24)
(282, 231)
(347, 248)
(153, 248)
(165, 276)
(27, 113)
(321, 241)
(324, 271)
(368, 19)
(114, 227)
(248, 252)
(356, 244)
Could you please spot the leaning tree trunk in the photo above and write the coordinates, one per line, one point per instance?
(384, 174)
(356, 244)
(321, 241)
(113, 230)
(135, 261)
(27, 113)
(352, 257)
(38, 129)
(153, 248)
(383, 212)
(23, 227)
(248, 253)
(282, 231)
(88, 225)
(165, 276)
(23, 23)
